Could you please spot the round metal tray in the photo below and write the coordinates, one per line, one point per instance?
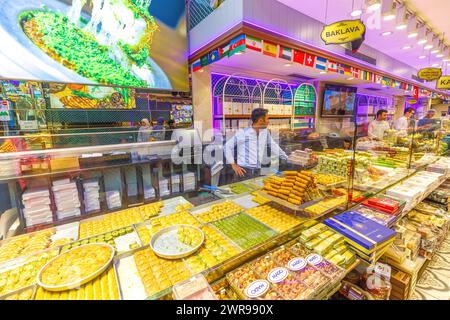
(177, 255)
(80, 282)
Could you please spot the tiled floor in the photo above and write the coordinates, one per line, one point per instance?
(434, 284)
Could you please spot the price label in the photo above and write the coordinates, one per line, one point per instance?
(278, 275)
(296, 264)
(314, 259)
(257, 288)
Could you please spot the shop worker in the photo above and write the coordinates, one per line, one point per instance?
(427, 123)
(144, 131)
(158, 130)
(252, 145)
(378, 126)
(403, 123)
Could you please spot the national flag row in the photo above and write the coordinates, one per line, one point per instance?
(243, 42)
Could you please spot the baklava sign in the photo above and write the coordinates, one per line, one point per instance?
(443, 82)
(350, 32)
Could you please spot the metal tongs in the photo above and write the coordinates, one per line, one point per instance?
(216, 189)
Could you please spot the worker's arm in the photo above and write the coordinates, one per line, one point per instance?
(275, 147)
(370, 133)
(229, 154)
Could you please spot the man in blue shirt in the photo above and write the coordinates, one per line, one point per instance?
(427, 123)
(252, 145)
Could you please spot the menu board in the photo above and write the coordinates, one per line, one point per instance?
(78, 96)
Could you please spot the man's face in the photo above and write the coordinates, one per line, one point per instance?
(262, 122)
(382, 116)
(430, 115)
(409, 114)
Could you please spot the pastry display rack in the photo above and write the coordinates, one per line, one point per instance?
(93, 180)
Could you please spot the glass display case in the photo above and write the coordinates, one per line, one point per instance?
(126, 194)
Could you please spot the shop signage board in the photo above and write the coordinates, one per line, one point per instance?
(443, 82)
(430, 74)
(4, 111)
(344, 32)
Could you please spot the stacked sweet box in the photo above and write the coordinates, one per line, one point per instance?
(37, 208)
(176, 183)
(164, 187)
(9, 167)
(67, 202)
(189, 181)
(366, 237)
(113, 199)
(91, 196)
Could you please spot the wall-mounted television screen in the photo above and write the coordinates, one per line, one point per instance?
(132, 43)
(338, 101)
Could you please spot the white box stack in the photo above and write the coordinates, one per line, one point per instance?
(149, 192)
(113, 199)
(189, 181)
(176, 183)
(67, 202)
(91, 196)
(164, 187)
(36, 204)
(9, 167)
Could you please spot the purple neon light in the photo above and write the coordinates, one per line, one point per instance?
(255, 79)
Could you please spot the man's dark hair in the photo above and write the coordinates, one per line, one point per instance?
(380, 112)
(409, 109)
(258, 113)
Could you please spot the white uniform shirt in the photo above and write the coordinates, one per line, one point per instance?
(251, 148)
(377, 128)
(401, 123)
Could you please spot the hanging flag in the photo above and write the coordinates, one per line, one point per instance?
(372, 77)
(196, 66)
(285, 53)
(224, 51)
(416, 92)
(394, 83)
(355, 73)
(310, 60)
(299, 56)
(321, 63)
(403, 86)
(385, 81)
(236, 45)
(213, 56)
(270, 49)
(332, 66)
(409, 87)
(378, 78)
(253, 43)
(204, 60)
(347, 70)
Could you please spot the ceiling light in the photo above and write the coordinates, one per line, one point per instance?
(388, 10)
(239, 53)
(413, 31)
(434, 51)
(406, 47)
(446, 59)
(287, 64)
(440, 55)
(373, 5)
(435, 65)
(386, 33)
(356, 13)
(351, 78)
(428, 47)
(422, 36)
(422, 57)
(322, 72)
(402, 18)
